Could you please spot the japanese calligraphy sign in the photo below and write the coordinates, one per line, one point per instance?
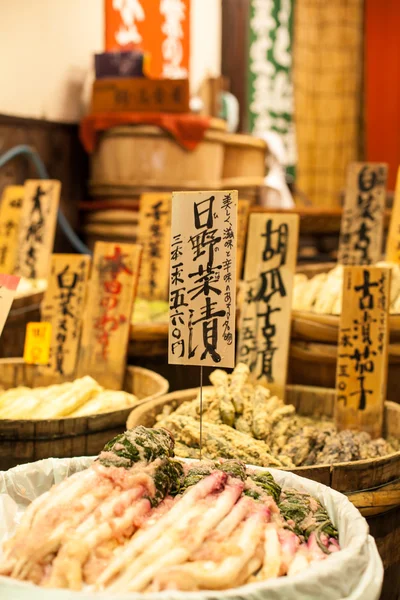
(202, 291)
(8, 288)
(393, 241)
(38, 226)
(362, 221)
(160, 28)
(63, 307)
(10, 217)
(243, 221)
(363, 350)
(37, 343)
(154, 237)
(105, 333)
(264, 332)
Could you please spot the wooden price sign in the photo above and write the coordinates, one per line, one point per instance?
(363, 350)
(38, 226)
(107, 317)
(37, 343)
(361, 231)
(393, 241)
(243, 222)
(10, 217)
(264, 332)
(8, 288)
(203, 278)
(63, 307)
(154, 237)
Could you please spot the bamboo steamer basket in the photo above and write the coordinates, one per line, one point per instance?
(23, 310)
(146, 156)
(244, 161)
(23, 441)
(372, 485)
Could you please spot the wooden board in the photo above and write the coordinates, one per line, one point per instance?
(8, 289)
(203, 278)
(63, 307)
(108, 312)
(140, 94)
(10, 218)
(243, 223)
(154, 236)
(361, 376)
(264, 331)
(393, 240)
(38, 226)
(362, 221)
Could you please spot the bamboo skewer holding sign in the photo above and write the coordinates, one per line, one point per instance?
(264, 331)
(361, 231)
(363, 350)
(203, 280)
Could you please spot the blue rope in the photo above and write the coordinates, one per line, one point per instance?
(23, 149)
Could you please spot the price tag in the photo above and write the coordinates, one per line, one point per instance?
(361, 231)
(8, 288)
(202, 292)
(393, 241)
(264, 332)
(37, 343)
(363, 350)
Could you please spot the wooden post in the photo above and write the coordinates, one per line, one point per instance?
(154, 237)
(8, 289)
(107, 318)
(38, 226)
(10, 219)
(393, 240)
(203, 278)
(363, 350)
(361, 231)
(63, 307)
(264, 332)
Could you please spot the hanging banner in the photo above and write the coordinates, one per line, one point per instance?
(271, 105)
(158, 28)
(203, 278)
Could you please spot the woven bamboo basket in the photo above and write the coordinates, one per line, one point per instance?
(372, 485)
(23, 441)
(24, 309)
(147, 157)
(244, 161)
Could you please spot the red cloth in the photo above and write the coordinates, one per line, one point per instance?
(187, 129)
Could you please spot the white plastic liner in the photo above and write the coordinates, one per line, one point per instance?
(354, 573)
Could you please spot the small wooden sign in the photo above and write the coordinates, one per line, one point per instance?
(107, 317)
(243, 223)
(37, 343)
(154, 237)
(10, 218)
(38, 226)
(63, 307)
(264, 332)
(361, 230)
(363, 350)
(140, 94)
(393, 240)
(8, 289)
(203, 278)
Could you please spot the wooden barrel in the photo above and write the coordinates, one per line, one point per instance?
(372, 485)
(23, 441)
(244, 161)
(146, 156)
(24, 310)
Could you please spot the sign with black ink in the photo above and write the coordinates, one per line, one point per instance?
(154, 237)
(63, 307)
(202, 292)
(393, 241)
(8, 289)
(10, 218)
(38, 226)
(361, 232)
(363, 350)
(264, 332)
